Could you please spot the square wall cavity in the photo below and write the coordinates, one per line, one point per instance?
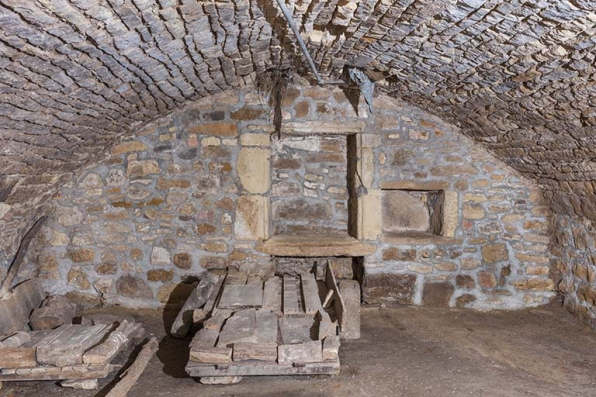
(413, 211)
(309, 192)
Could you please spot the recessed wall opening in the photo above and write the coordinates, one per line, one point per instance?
(413, 211)
(309, 192)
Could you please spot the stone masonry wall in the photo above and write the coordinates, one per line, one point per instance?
(191, 193)
(574, 264)
(308, 192)
(498, 256)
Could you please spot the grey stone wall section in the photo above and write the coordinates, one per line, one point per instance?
(162, 207)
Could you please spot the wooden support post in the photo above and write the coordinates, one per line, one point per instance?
(133, 373)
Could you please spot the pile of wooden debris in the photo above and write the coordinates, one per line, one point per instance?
(289, 324)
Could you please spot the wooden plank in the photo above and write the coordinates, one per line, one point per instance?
(297, 330)
(57, 373)
(15, 310)
(204, 338)
(300, 353)
(240, 327)
(199, 315)
(310, 292)
(338, 303)
(290, 296)
(259, 368)
(254, 280)
(197, 298)
(266, 326)
(272, 297)
(17, 357)
(234, 277)
(13, 269)
(331, 348)
(217, 320)
(211, 355)
(211, 302)
(241, 296)
(114, 343)
(67, 346)
(131, 375)
(255, 351)
(17, 339)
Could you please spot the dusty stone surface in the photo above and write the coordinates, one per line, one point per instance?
(514, 76)
(183, 206)
(309, 184)
(453, 352)
(403, 211)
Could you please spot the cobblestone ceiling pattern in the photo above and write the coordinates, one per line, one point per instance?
(517, 76)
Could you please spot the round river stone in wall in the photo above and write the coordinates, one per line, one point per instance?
(403, 212)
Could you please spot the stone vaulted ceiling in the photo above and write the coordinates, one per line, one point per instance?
(518, 76)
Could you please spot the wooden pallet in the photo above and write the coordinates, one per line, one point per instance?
(276, 326)
(261, 369)
(69, 352)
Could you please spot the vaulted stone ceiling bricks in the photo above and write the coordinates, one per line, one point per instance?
(517, 76)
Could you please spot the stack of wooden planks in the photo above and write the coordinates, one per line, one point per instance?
(69, 352)
(275, 327)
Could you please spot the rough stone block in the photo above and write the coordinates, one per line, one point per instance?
(494, 253)
(219, 129)
(133, 287)
(389, 288)
(371, 221)
(252, 218)
(253, 168)
(437, 294)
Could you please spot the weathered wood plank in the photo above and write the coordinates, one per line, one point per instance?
(215, 294)
(255, 351)
(350, 293)
(211, 355)
(266, 326)
(301, 353)
(331, 348)
(240, 327)
(198, 297)
(17, 339)
(17, 357)
(13, 269)
(115, 342)
(235, 277)
(217, 319)
(254, 280)
(57, 373)
(204, 338)
(272, 297)
(240, 296)
(15, 310)
(259, 368)
(135, 370)
(297, 330)
(290, 296)
(67, 346)
(310, 292)
(338, 303)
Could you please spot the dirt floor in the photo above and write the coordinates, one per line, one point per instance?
(403, 352)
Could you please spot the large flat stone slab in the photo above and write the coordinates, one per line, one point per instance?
(311, 245)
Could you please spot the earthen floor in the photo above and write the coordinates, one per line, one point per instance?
(403, 352)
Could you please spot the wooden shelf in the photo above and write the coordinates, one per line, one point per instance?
(312, 245)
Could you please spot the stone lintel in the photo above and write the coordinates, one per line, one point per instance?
(315, 245)
(414, 185)
(418, 238)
